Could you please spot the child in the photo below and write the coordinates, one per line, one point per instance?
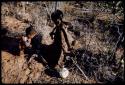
(60, 36)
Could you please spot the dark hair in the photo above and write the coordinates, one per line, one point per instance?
(58, 14)
(29, 30)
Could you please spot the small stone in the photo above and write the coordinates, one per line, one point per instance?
(27, 71)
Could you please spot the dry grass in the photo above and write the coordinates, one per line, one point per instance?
(16, 69)
(14, 25)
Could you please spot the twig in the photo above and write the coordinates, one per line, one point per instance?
(74, 62)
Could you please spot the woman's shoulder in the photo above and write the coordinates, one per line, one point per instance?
(37, 37)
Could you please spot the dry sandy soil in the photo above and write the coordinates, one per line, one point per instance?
(17, 69)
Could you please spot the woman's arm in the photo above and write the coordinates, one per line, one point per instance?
(66, 38)
(69, 25)
(52, 33)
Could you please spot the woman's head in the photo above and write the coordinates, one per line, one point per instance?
(30, 31)
(57, 16)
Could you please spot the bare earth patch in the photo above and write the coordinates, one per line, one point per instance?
(16, 69)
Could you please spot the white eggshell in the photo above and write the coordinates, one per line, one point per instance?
(64, 73)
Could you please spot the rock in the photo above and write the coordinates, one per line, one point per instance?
(27, 71)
